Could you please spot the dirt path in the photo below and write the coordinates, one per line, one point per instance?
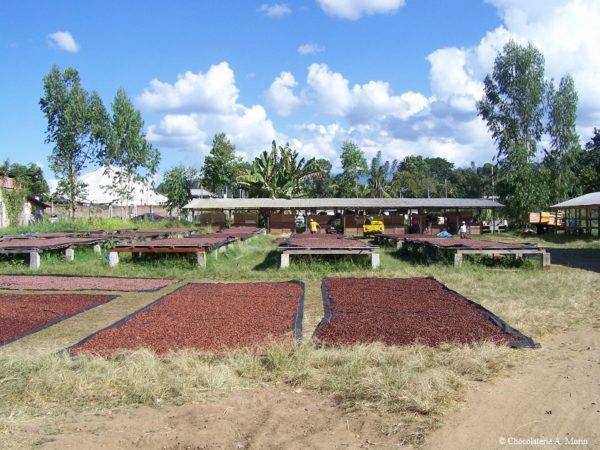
(259, 418)
(555, 395)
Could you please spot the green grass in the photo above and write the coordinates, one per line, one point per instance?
(418, 383)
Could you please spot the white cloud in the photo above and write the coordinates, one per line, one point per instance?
(63, 40)
(213, 91)
(310, 49)
(275, 10)
(355, 9)
(359, 103)
(281, 94)
(198, 105)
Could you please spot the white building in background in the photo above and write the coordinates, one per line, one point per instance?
(99, 201)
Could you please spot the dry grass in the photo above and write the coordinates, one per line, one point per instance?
(416, 382)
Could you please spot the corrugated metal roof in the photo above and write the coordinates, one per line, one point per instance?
(587, 200)
(340, 203)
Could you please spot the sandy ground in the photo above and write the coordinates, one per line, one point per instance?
(554, 395)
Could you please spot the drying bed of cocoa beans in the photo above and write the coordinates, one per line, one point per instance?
(465, 243)
(207, 316)
(322, 241)
(406, 311)
(75, 283)
(23, 314)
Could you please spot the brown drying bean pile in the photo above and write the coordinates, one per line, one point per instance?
(401, 312)
(466, 243)
(21, 314)
(64, 283)
(208, 316)
(323, 241)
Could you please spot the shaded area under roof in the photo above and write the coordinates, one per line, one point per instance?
(340, 203)
(583, 201)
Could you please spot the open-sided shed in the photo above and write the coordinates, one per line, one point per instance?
(582, 214)
(279, 214)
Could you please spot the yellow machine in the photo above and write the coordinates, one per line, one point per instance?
(373, 226)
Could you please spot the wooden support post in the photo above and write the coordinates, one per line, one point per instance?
(458, 259)
(284, 261)
(375, 262)
(34, 260)
(201, 259)
(113, 259)
(70, 254)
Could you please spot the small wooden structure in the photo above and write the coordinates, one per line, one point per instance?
(581, 214)
(325, 245)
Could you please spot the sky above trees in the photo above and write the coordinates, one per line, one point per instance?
(400, 77)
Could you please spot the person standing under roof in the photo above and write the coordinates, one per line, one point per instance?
(463, 230)
(314, 226)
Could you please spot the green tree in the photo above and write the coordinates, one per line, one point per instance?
(324, 185)
(176, 186)
(588, 164)
(414, 178)
(221, 165)
(30, 177)
(125, 154)
(354, 166)
(381, 174)
(66, 105)
(279, 173)
(513, 108)
(560, 159)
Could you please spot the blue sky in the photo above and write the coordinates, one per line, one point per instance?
(400, 76)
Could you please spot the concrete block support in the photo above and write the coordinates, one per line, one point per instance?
(375, 263)
(34, 260)
(285, 261)
(458, 259)
(201, 258)
(546, 260)
(113, 259)
(70, 254)
(97, 249)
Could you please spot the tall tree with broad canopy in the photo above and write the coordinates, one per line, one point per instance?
(513, 108)
(414, 178)
(71, 116)
(279, 173)
(588, 164)
(354, 166)
(560, 159)
(221, 165)
(177, 185)
(125, 154)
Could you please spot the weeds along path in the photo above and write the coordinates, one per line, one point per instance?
(555, 395)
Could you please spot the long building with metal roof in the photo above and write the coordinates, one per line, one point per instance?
(226, 204)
